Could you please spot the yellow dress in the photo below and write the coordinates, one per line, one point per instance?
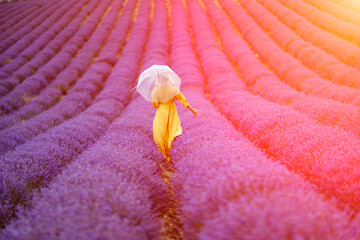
(166, 125)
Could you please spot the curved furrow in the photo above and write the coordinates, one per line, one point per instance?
(225, 183)
(50, 42)
(72, 62)
(7, 11)
(114, 141)
(17, 42)
(11, 14)
(22, 18)
(53, 57)
(265, 83)
(336, 10)
(80, 96)
(275, 151)
(325, 156)
(112, 144)
(109, 193)
(349, 53)
(349, 4)
(31, 167)
(338, 27)
(324, 64)
(58, 89)
(280, 54)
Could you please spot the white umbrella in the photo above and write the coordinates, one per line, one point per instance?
(161, 77)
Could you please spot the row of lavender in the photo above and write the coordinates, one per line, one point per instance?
(263, 82)
(227, 188)
(27, 61)
(305, 146)
(40, 104)
(325, 20)
(47, 64)
(90, 176)
(315, 58)
(33, 164)
(8, 10)
(295, 61)
(335, 112)
(46, 112)
(40, 23)
(336, 9)
(14, 118)
(13, 15)
(119, 148)
(348, 53)
(349, 4)
(120, 177)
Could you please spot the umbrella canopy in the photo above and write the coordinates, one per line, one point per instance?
(158, 83)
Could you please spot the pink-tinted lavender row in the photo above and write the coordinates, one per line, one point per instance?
(323, 20)
(59, 87)
(349, 4)
(288, 68)
(35, 163)
(321, 62)
(17, 42)
(9, 11)
(73, 61)
(64, 81)
(324, 155)
(336, 10)
(118, 150)
(107, 193)
(55, 38)
(28, 13)
(11, 15)
(218, 169)
(38, 65)
(349, 53)
(265, 83)
(79, 97)
(128, 149)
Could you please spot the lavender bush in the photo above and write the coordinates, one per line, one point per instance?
(57, 147)
(274, 154)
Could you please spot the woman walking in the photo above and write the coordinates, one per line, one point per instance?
(162, 90)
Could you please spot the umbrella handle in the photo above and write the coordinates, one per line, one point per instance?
(132, 88)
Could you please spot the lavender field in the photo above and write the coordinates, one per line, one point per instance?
(275, 153)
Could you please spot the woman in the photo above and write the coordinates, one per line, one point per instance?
(166, 125)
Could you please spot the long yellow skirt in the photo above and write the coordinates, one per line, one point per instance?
(166, 125)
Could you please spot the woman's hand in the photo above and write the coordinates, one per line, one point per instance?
(195, 112)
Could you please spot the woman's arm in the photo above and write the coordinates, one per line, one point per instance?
(181, 98)
(193, 110)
